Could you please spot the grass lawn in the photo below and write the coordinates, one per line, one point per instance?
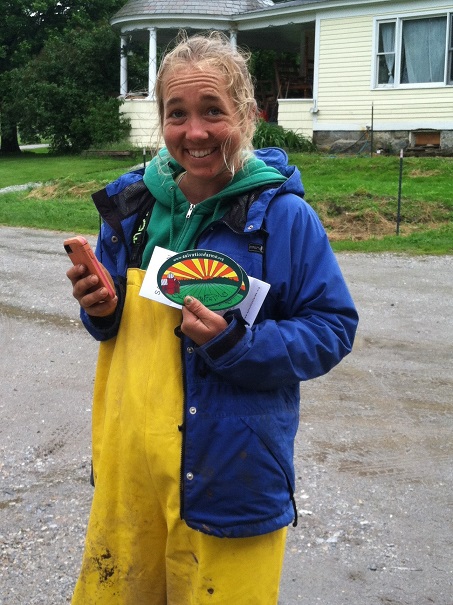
(355, 196)
(63, 201)
(39, 167)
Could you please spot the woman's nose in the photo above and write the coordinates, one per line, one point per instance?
(196, 129)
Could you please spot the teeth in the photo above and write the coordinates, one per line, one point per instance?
(201, 154)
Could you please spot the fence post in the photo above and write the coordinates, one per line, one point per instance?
(398, 213)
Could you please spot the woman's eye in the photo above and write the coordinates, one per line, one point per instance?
(176, 114)
(214, 111)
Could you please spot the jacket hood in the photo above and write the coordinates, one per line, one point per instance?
(278, 159)
(160, 177)
(169, 227)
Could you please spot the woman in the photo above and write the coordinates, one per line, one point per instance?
(193, 429)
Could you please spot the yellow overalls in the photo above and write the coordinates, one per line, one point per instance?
(138, 551)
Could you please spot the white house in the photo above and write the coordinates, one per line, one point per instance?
(368, 68)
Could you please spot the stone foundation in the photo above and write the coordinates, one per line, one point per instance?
(391, 142)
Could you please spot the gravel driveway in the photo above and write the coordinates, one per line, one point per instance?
(373, 454)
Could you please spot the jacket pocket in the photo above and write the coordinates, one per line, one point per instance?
(277, 433)
(241, 481)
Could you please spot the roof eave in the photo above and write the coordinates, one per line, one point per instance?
(171, 21)
(296, 8)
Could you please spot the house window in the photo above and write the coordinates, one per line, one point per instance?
(450, 54)
(412, 51)
(386, 53)
(423, 50)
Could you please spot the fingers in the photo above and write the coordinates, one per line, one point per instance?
(200, 323)
(75, 273)
(90, 296)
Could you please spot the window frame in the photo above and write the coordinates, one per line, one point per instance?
(398, 23)
(449, 74)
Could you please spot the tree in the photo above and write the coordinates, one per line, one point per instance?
(71, 90)
(25, 25)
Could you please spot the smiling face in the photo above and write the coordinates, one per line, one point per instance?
(200, 125)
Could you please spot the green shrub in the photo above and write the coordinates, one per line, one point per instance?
(272, 135)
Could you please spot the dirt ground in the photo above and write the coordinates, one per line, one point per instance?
(373, 453)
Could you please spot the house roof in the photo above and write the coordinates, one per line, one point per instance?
(260, 23)
(223, 8)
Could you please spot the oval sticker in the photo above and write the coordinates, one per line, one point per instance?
(215, 279)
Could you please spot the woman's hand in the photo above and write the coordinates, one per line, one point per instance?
(90, 296)
(199, 323)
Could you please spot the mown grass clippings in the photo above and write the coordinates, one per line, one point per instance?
(64, 189)
(360, 218)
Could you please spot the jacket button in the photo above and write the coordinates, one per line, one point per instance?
(190, 350)
(114, 239)
(192, 410)
(250, 227)
(189, 476)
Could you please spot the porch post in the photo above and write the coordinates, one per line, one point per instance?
(234, 38)
(152, 63)
(123, 67)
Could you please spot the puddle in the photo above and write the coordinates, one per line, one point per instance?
(12, 502)
(13, 312)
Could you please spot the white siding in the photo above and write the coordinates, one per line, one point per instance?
(295, 114)
(345, 96)
(144, 122)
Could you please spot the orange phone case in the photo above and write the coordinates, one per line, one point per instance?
(80, 253)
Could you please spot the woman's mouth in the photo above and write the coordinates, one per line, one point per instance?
(200, 153)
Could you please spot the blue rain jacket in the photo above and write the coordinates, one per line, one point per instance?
(242, 388)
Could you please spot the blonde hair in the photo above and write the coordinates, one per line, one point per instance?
(214, 51)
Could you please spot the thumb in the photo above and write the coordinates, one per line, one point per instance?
(195, 306)
(199, 323)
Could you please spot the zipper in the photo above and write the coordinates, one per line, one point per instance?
(185, 226)
(191, 209)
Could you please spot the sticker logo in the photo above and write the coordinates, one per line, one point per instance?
(215, 279)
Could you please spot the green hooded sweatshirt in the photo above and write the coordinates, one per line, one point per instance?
(172, 226)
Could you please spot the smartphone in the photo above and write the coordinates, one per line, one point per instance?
(80, 253)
